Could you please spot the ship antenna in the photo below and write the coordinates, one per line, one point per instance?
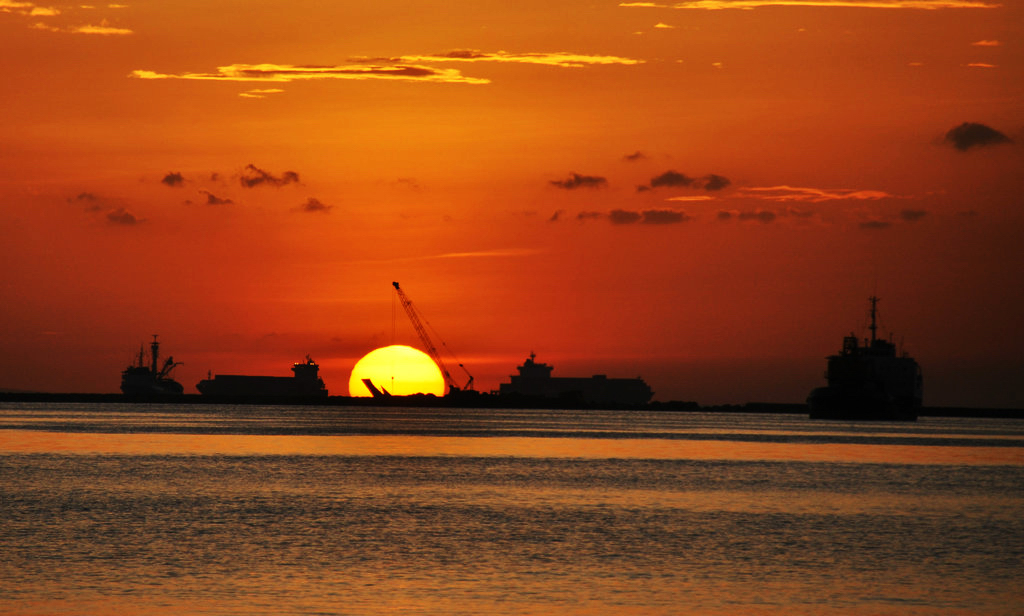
(154, 348)
(874, 313)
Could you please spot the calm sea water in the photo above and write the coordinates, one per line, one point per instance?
(161, 509)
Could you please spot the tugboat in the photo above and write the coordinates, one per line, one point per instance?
(150, 381)
(868, 381)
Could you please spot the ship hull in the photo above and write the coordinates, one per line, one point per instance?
(305, 383)
(535, 381)
(261, 386)
(851, 404)
(142, 383)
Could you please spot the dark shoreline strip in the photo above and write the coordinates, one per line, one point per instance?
(479, 401)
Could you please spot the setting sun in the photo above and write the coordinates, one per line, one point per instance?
(397, 369)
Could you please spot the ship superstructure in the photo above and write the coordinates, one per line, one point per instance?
(869, 380)
(142, 380)
(305, 382)
(534, 380)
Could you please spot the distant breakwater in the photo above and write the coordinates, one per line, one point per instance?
(476, 400)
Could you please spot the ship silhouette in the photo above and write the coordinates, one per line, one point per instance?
(535, 381)
(305, 382)
(142, 380)
(869, 381)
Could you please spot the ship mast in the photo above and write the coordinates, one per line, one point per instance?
(874, 322)
(154, 349)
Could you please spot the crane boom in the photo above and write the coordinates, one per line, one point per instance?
(417, 324)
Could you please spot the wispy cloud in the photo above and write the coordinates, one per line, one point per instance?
(314, 205)
(764, 216)
(811, 195)
(103, 29)
(109, 208)
(173, 179)
(85, 198)
(664, 217)
(734, 209)
(561, 58)
(715, 182)
(284, 73)
(500, 252)
(671, 179)
(986, 43)
(647, 217)
(212, 199)
(476, 254)
(406, 183)
(576, 180)
(121, 216)
(714, 5)
(35, 11)
(624, 217)
(691, 198)
(260, 93)
(401, 68)
(27, 9)
(674, 179)
(252, 176)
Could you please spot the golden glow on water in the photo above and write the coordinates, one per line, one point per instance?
(503, 513)
(32, 441)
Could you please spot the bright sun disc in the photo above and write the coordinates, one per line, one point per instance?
(399, 369)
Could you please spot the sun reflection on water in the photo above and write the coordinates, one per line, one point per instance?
(31, 441)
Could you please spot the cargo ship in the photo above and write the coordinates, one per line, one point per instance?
(869, 381)
(148, 381)
(535, 381)
(305, 382)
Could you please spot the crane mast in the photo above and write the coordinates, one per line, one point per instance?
(417, 324)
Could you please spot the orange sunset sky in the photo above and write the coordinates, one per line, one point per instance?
(702, 193)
